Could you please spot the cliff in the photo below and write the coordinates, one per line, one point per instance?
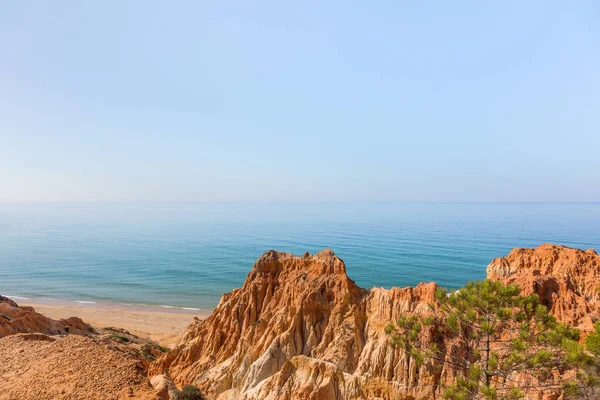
(300, 328)
(566, 280)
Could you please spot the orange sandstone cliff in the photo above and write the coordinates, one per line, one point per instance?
(299, 328)
(566, 280)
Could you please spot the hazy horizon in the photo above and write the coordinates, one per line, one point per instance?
(300, 102)
(288, 202)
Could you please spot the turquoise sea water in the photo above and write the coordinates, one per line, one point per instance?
(188, 254)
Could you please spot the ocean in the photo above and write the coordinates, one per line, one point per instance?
(187, 254)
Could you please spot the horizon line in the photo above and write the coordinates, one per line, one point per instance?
(294, 202)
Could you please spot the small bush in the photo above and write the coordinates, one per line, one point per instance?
(190, 392)
(163, 349)
(121, 338)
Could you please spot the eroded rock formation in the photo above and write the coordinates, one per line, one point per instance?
(299, 328)
(16, 319)
(566, 280)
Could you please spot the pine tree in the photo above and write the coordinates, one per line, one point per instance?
(512, 347)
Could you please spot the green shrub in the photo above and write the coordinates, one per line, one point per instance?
(190, 392)
(121, 338)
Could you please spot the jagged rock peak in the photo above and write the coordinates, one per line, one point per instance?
(296, 323)
(272, 263)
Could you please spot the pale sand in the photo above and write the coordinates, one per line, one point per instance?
(164, 327)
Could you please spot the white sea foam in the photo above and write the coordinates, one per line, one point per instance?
(161, 306)
(140, 305)
(85, 302)
(17, 297)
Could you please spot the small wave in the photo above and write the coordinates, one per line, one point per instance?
(17, 297)
(139, 305)
(147, 305)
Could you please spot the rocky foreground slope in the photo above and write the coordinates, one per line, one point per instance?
(299, 328)
(38, 366)
(42, 358)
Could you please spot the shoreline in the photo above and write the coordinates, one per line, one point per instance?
(109, 305)
(162, 324)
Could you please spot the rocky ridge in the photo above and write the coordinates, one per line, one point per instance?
(17, 319)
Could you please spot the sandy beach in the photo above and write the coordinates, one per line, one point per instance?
(162, 325)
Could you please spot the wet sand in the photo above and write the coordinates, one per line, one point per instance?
(163, 325)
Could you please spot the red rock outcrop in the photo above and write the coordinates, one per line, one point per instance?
(16, 319)
(566, 280)
(299, 328)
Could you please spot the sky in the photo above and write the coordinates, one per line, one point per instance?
(299, 101)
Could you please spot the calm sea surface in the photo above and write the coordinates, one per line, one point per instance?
(187, 255)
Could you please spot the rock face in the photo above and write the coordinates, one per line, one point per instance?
(566, 280)
(299, 328)
(15, 319)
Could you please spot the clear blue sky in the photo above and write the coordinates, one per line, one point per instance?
(300, 101)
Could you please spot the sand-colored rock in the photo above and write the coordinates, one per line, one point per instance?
(15, 319)
(164, 387)
(299, 328)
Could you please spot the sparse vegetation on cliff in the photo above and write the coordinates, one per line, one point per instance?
(510, 345)
(190, 392)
